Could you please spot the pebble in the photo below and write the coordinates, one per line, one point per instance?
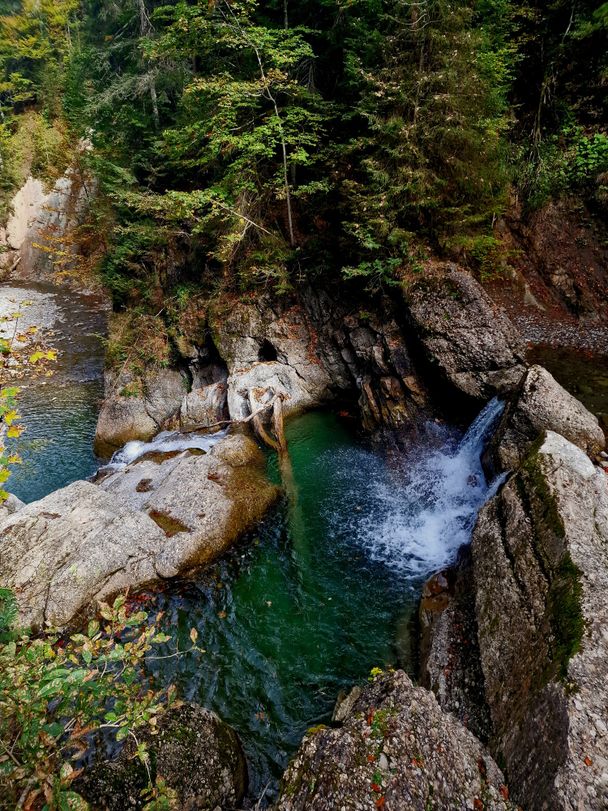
(383, 762)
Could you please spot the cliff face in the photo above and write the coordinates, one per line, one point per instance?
(38, 238)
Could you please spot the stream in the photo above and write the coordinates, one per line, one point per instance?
(326, 589)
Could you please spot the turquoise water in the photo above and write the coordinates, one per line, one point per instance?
(294, 615)
(321, 593)
(324, 591)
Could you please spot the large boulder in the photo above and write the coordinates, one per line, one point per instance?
(395, 750)
(541, 404)
(540, 552)
(264, 348)
(155, 519)
(137, 409)
(464, 336)
(203, 407)
(199, 757)
(10, 506)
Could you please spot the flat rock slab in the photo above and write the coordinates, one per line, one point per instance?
(396, 747)
(540, 552)
(154, 519)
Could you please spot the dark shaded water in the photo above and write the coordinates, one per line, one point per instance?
(584, 374)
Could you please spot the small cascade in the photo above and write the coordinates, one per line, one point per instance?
(415, 518)
(165, 442)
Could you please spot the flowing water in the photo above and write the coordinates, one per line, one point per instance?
(60, 412)
(325, 589)
(164, 442)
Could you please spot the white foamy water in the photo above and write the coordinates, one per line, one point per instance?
(165, 442)
(415, 517)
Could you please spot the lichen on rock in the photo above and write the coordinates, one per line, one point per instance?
(540, 552)
(395, 750)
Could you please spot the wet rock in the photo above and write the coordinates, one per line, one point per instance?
(198, 756)
(449, 662)
(152, 520)
(395, 750)
(468, 340)
(540, 552)
(541, 404)
(137, 408)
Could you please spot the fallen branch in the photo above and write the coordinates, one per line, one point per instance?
(243, 421)
(15, 263)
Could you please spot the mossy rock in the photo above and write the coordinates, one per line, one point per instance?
(198, 755)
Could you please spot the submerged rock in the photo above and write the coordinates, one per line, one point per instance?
(395, 750)
(468, 340)
(541, 404)
(540, 551)
(152, 520)
(198, 756)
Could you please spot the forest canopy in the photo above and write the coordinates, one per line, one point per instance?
(269, 141)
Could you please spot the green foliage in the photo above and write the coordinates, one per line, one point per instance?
(565, 163)
(261, 143)
(58, 691)
(8, 614)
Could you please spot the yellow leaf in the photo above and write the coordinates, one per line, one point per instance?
(10, 417)
(14, 431)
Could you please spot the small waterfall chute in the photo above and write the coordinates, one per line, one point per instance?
(415, 518)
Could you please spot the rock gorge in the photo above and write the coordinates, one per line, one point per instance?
(329, 529)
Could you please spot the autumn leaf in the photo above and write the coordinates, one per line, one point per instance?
(10, 417)
(43, 354)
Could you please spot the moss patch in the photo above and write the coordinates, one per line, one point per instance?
(565, 613)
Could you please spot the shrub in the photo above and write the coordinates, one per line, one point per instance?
(57, 692)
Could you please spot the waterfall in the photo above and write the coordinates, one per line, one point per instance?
(165, 442)
(415, 518)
